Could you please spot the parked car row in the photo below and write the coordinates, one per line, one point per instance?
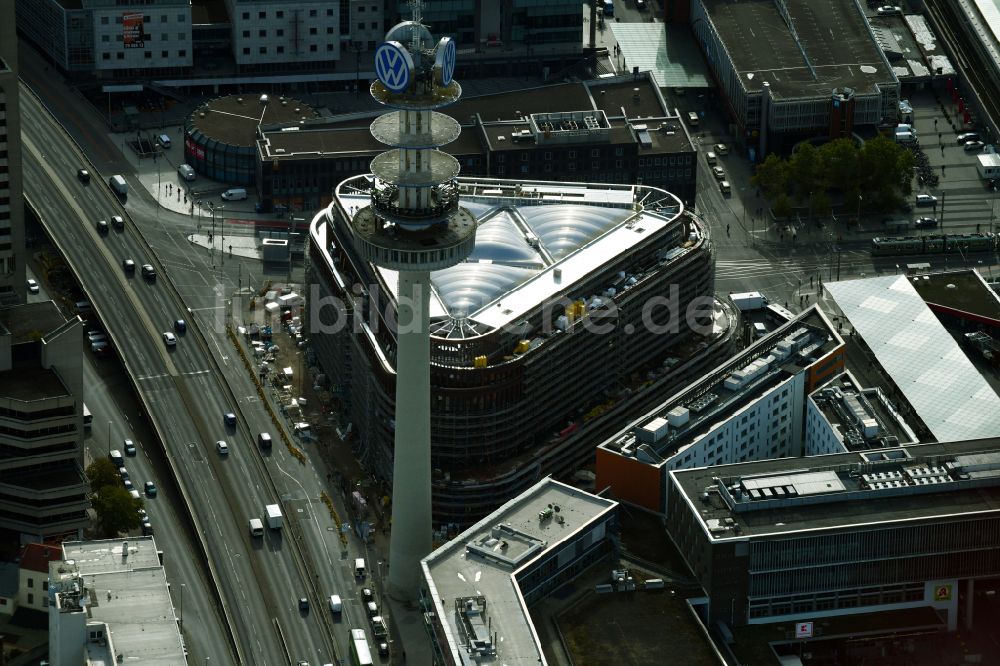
(149, 488)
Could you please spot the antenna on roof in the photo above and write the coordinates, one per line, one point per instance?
(417, 9)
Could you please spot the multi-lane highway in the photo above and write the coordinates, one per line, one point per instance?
(259, 582)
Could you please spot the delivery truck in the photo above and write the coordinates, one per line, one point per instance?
(274, 516)
(748, 300)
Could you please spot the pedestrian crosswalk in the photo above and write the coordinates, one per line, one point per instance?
(743, 268)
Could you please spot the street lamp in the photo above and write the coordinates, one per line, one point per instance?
(182, 605)
(109, 438)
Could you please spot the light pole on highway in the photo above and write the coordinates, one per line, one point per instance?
(109, 438)
(182, 605)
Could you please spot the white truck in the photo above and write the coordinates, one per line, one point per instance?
(119, 185)
(273, 516)
(749, 300)
(256, 527)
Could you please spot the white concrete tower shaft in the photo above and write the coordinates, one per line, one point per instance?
(411, 467)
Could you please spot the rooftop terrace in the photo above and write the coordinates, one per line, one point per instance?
(31, 321)
(786, 495)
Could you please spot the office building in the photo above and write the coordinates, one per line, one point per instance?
(614, 130)
(109, 602)
(550, 328)
(277, 34)
(481, 583)
(219, 135)
(44, 488)
(819, 73)
(518, 30)
(787, 539)
(749, 408)
(843, 416)
(12, 253)
(112, 38)
(33, 588)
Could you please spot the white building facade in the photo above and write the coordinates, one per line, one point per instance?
(268, 34)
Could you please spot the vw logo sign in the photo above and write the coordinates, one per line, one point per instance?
(393, 66)
(444, 60)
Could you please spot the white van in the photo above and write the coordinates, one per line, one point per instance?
(235, 194)
(163, 140)
(186, 172)
(693, 118)
(256, 527)
(359, 567)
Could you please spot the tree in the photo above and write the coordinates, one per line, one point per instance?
(782, 207)
(840, 163)
(804, 171)
(102, 472)
(820, 204)
(884, 162)
(771, 176)
(117, 511)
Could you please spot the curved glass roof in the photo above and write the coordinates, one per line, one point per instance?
(565, 228)
(467, 287)
(499, 240)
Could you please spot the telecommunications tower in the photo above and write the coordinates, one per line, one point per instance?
(413, 225)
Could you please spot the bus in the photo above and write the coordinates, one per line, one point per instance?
(360, 652)
(88, 418)
(778, 314)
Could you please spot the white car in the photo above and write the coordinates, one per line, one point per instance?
(32, 286)
(169, 339)
(889, 10)
(222, 448)
(719, 173)
(721, 149)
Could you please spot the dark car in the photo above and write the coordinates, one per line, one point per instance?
(304, 605)
(128, 266)
(83, 175)
(129, 447)
(229, 419)
(366, 595)
(102, 227)
(383, 647)
(180, 326)
(118, 222)
(150, 489)
(149, 272)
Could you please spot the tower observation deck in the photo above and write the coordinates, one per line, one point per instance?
(414, 224)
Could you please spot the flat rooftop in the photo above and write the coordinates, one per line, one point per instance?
(37, 384)
(720, 393)
(961, 290)
(837, 50)
(635, 97)
(483, 561)
(234, 119)
(523, 240)
(860, 415)
(844, 490)
(935, 376)
(31, 321)
(130, 596)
